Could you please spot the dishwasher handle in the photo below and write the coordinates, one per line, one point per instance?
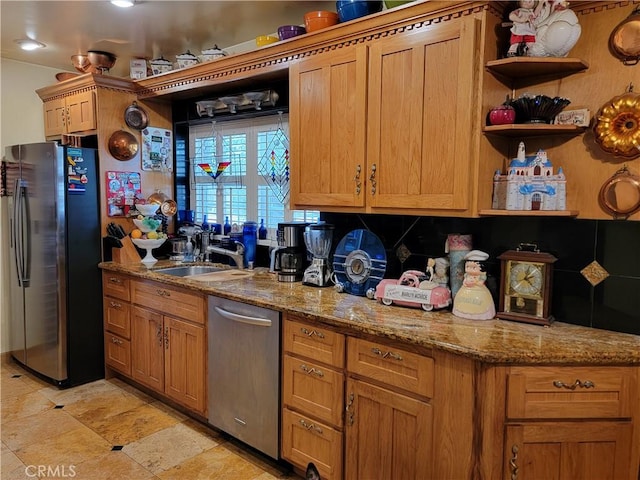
(259, 322)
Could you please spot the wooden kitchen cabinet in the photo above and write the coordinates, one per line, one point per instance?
(75, 113)
(169, 353)
(389, 416)
(327, 123)
(420, 109)
(313, 396)
(117, 322)
(570, 422)
(414, 93)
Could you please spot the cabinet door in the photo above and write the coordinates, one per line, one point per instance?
(147, 348)
(568, 451)
(327, 126)
(81, 112)
(388, 435)
(421, 103)
(55, 117)
(184, 363)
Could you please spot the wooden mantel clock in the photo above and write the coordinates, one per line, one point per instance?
(525, 285)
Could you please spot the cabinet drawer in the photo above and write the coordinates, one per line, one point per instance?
(392, 366)
(315, 342)
(117, 317)
(305, 440)
(571, 392)
(169, 300)
(117, 353)
(115, 285)
(312, 388)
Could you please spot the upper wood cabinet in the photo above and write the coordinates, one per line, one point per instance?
(327, 122)
(73, 114)
(388, 124)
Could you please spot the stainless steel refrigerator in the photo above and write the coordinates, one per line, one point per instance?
(55, 321)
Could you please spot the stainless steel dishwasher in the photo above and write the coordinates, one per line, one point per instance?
(244, 373)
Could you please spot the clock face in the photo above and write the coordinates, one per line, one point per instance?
(525, 278)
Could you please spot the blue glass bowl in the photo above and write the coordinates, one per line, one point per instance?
(352, 9)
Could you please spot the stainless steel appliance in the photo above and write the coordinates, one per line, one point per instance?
(289, 259)
(318, 237)
(55, 322)
(244, 373)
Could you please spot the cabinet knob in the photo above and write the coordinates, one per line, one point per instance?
(163, 293)
(113, 304)
(115, 280)
(115, 340)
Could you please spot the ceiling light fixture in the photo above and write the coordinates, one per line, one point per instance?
(123, 3)
(29, 44)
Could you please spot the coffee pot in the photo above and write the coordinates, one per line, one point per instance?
(289, 258)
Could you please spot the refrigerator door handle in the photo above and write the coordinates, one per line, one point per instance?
(20, 214)
(26, 273)
(17, 252)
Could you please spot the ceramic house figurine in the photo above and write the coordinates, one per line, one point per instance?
(530, 184)
(474, 300)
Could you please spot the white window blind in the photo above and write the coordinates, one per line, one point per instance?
(240, 192)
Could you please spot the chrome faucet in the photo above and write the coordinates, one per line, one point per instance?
(237, 256)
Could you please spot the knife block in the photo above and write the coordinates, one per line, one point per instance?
(126, 254)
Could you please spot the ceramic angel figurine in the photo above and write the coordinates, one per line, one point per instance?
(474, 300)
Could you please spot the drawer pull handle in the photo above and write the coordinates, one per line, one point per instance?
(512, 462)
(115, 280)
(163, 293)
(115, 340)
(166, 338)
(382, 354)
(572, 386)
(311, 426)
(348, 410)
(312, 371)
(113, 304)
(311, 333)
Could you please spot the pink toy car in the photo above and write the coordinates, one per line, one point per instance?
(413, 290)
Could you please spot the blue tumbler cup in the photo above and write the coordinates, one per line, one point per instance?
(250, 240)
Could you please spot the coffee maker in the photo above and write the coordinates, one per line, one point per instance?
(289, 258)
(317, 237)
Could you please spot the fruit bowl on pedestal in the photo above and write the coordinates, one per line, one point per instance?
(148, 244)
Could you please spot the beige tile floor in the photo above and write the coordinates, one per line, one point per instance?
(108, 430)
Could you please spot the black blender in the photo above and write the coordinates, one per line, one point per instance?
(317, 238)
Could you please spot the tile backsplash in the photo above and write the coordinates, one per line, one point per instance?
(613, 304)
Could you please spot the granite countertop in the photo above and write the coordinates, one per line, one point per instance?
(492, 341)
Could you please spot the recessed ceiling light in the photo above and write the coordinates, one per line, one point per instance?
(123, 3)
(28, 44)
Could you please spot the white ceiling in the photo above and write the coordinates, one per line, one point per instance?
(149, 29)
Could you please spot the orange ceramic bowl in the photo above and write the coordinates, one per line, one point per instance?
(319, 19)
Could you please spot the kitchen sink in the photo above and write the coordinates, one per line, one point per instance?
(189, 270)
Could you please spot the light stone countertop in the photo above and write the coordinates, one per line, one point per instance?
(492, 341)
